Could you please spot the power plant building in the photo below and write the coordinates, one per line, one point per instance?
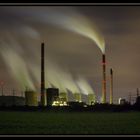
(12, 101)
(122, 101)
(31, 98)
(52, 95)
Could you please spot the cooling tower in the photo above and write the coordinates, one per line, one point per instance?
(64, 96)
(104, 79)
(31, 98)
(77, 97)
(111, 86)
(91, 99)
(43, 93)
(84, 98)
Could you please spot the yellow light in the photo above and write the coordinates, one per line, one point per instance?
(85, 105)
(59, 103)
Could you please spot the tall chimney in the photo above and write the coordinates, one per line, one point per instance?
(130, 98)
(104, 80)
(137, 92)
(111, 86)
(43, 94)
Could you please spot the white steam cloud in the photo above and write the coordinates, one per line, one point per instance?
(84, 86)
(17, 67)
(77, 23)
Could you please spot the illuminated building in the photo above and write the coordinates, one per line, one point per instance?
(52, 95)
(122, 101)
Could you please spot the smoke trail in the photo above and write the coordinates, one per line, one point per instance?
(55, 77)
(72, 21)
(75, 22)
(17, 68)
(84, 86)
(13, 55)
(61, 79)
(29, 32)
(87, 29)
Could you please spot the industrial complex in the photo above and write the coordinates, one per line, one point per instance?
(50, 96)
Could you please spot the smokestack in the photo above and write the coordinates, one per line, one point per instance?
(111, 86)
(137, 92)
(104, 79)
(130, 98)
(43, 93)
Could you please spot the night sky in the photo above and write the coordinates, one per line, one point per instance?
(69, 55)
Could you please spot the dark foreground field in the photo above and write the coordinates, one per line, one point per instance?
(69, 123)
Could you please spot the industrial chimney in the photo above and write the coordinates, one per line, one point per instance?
(104, 79)
(111, 86)
(43, 93)
(137, 92)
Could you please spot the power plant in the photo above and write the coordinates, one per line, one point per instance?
(51, 96)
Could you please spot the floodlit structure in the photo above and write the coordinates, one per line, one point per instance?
(52, 95)
(122, 101)
(59, 102)
(31, 98)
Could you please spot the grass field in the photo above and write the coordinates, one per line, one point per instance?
(69, 123)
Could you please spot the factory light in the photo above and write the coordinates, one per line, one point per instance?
(85, 105)
(59, 103)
